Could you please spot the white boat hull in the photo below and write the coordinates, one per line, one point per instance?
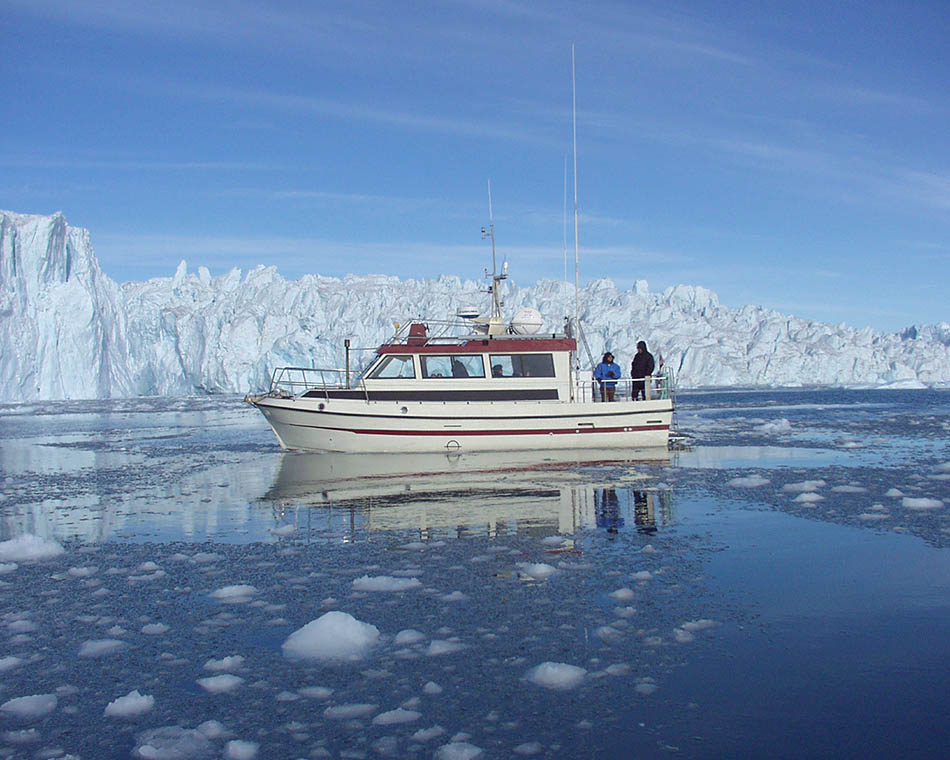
(346, 425)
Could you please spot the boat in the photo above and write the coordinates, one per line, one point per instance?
(469, 383)
(466, 384)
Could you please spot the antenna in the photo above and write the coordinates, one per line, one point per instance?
(495, 277)
(577, 319)
(565, 218)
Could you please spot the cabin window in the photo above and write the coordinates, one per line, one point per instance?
(522, 365)
(452, 366)
(394, 366)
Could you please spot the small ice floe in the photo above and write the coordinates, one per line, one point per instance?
(100, 647)
(427, 734)
(155, 629)
(608, 634)
(225, 664)
(699, 625)
(535, 571)
(622, 594)
(804, 486)
(875, 513)
(399, 715)
(458, 751)
(240, 593)
(528, 749)
(82, 572)
(408, 636)
(809, 497)
(334, 636)
(9, 663)
(282, 531)
(454, 596)
(641, 575)
(556, 675)
(28, 708)
(849, 443)
(432, 688)
(173, 742)
(893, 493)
(920, 504)
(750, 481)
(440, 647)
(238, 749)
(319, 693)
(385, 583)
(645, 686)
(617, 669)
(22, 736)
(349, 711)
(220, 684)
(849, 488)
(682, 636)
(7, 567)
(29, 548)
(775, 427)
(131, 705)
(625, 612)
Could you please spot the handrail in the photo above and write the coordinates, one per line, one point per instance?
(296, 381)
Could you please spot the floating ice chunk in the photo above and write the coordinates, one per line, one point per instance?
(100, 647)
(82, 572)
(213, 729)
(537, 571)
(237, 749)
(349, 711)
(22, 626)
(455, 596)
(30, 708)
(648, 549)
(849, 489)
(750, 481)
(625, 612)
(944, 467)
(529, 748)
(699, 625)
(155, 629)
(441, 646)
(225, 664)
(130, 705)
(281, 531)
(873, 516)
(396, 716)
(7, 567)
(458, 751)
(22, 736)
(641, 575)
(809, 497)
(617, 669)
(776, 427)
(553, 540)
(9, 663)
(148, 567)
(425, 734)
(804, 486)
(556, 675)
(385, 583)
(220, 684)
(432, 688)
(622, 594)
(237, 594)
(893, 493)
(607, 633)
(682, 636)
(315, 692)
(408, 636)
(29, 548)
(645, 686)
(920, 504)
(173, 743)
(333, 636)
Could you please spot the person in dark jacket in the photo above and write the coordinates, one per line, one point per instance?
(607, 374)
(641, 367)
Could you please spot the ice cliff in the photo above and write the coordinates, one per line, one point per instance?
(68, 331)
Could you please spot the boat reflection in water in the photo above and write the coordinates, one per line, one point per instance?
(440, 495)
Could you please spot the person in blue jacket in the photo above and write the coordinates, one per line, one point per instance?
(607, 374)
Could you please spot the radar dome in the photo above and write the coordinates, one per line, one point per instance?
(526, 322)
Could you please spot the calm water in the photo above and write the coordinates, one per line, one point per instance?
(777, 587)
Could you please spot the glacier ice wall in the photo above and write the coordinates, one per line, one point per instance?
(68, 331)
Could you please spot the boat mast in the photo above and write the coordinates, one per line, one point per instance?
(495, 322)
(577, 318)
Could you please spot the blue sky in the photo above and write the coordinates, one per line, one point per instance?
(789, 154)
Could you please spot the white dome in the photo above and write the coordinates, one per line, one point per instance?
(526, 322)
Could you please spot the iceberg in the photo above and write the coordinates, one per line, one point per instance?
(68, 331)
